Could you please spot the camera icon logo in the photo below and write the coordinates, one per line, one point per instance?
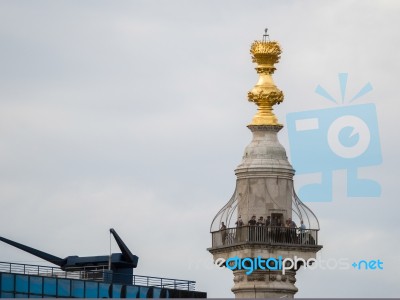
(342, 137)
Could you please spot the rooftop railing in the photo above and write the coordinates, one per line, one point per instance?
(98, 275)
(264, 235)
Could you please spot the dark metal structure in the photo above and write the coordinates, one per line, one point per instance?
(118, 266)
(229, 213)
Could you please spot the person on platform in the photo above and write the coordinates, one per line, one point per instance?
(292, 224)
(239, 236)
(239, 222)
(302, 234)
(267, 230)
(279, 230)
(292, 230)
(223, 226)
(252, 232)
(252, 221)
(223, 232)
(302, 227)
(260, 231)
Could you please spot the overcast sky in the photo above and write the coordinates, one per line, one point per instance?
(133, 114)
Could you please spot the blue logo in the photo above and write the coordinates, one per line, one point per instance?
(342, 137)
(368, 265)
(251, 264)
(258, 263)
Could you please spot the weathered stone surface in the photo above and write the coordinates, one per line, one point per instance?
(264, 187)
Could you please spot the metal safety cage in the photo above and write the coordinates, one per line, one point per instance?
(229, 213)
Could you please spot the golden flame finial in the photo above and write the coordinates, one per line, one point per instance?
(265, 94)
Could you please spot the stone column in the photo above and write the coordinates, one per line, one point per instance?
(264, 284)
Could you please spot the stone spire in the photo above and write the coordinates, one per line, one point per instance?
(264, 190)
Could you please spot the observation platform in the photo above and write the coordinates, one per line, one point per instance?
(268, 235)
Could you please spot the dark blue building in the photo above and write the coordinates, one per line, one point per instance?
(105, 276)
(23, 281)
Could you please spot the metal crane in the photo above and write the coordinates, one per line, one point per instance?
(120, 265)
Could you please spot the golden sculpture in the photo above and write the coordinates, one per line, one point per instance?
(265, 93)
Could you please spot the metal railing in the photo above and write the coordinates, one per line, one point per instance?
(264, 235)
(98, 275)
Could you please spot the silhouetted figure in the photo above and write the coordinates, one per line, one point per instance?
(267, 232)
(252, 223)
(239, 236)
(223, 232)
(239, 222)
(292, 224)
(286, 232)
(260, 235)
(292, 229)
(302, 226)
(302, 232)
(278, 231)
